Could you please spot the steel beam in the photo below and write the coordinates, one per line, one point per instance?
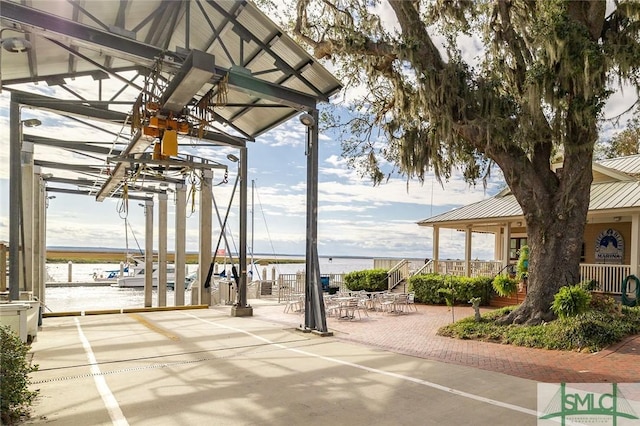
(71, 108)
(146, 54)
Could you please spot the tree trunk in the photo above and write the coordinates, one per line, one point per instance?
(555, 207)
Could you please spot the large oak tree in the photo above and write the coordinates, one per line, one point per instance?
(536, 92)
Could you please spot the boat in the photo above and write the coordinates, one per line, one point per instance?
(109, 276)
(136, 277)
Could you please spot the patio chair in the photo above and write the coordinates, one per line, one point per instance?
(411, 301)
(350, 308)
(294, 304)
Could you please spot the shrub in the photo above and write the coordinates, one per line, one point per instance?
(368, 280)
(592, 330)
(504, 285)
(571, 301)
(15, 397)
(427, 288)
(591, 285)
(523, 263)
(606, 304)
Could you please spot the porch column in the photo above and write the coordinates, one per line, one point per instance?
(467, 251)
(148, 253)
(497, 244)
(506, 244)
(436, 248)
(162, 250)
(180, 250)
(635, 244)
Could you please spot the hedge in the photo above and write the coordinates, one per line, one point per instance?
(464, 288)
(367, 280)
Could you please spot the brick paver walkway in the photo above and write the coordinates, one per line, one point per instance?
(415, 334)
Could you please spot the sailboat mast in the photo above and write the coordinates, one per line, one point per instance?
(253, 184)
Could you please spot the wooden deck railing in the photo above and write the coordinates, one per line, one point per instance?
(609, 277)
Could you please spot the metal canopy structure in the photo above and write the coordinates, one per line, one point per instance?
(217, 72)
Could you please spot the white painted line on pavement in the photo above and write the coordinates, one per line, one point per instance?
(110, 403)
(377, 371)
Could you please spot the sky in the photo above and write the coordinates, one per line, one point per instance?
(355, 218)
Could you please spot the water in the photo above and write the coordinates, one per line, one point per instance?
(60, 299)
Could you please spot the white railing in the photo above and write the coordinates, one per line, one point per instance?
(609, 277)
(397, 274)
(387, 264)
(427, 268)
(479, 268)
(290, 285)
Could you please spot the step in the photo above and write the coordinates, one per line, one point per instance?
(500, 302)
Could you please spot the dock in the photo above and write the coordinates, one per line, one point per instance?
(79, 284)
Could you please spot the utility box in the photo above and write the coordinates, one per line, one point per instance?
(227, 290)
(14, 315)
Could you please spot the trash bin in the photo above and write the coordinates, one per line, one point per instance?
(324, 280)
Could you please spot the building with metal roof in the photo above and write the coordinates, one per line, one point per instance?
(613, 217)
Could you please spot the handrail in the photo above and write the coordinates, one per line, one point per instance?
(510, 266)
(397, 274)
(423, 268)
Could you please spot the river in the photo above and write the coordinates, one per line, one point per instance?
(74, 298)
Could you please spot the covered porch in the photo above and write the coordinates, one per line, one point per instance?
(610, 250)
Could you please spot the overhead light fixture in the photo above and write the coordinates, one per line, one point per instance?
(13, 45)
(31, 122)
(16, 44)
(233, 158)
(307, 120)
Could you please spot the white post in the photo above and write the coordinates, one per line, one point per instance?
(635, 244)
(181, 233)
(162, 250)
(506, 244)
(467, 251)
(436, 248)
(70, 271)
(204, 257)
(148, 253)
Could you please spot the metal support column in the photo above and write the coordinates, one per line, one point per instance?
(162, 250)
(181, 234)
(148, 253)
(26, 209)
(15, 182)
(38, 201)
(314, 315)
(241, 308)
(203, 295)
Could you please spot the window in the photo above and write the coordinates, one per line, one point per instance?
(514, 247)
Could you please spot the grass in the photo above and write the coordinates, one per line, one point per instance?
(601, 326)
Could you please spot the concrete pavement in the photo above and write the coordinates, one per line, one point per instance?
(203, 367)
